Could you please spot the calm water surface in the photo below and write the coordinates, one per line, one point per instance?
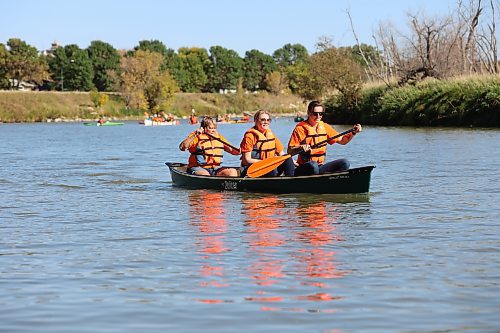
(94, 237)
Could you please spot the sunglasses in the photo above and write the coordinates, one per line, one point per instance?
(262, 120)
(317, 114)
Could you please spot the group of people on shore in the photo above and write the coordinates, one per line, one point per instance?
(309, 141)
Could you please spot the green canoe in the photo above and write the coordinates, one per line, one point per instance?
(356, 180)
(108, 123)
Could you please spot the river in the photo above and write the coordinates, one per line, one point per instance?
(95, 238)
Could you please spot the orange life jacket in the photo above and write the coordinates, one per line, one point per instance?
(313, 136)
(265, 146)
(208, 153)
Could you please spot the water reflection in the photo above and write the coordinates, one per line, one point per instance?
(263, 230)
(208, 215)
(292, 241)
(316, 255)
(288, 247)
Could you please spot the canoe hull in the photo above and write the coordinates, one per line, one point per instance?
(108, 123)
(351, 181)
(149, 122)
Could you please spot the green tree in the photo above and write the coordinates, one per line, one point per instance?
(21, 62)
(192, 65)
(143, 83)
(224, 69)
(71, 69)
(290, 54)
(155, 46)
(104, 58)
(256, 66)
(364, 55)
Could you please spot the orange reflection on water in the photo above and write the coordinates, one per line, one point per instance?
(317, 233)
(263, 227)
(208, 215)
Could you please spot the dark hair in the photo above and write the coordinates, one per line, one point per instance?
(207, 121)
(313, 104)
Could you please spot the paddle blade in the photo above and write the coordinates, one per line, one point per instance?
(265, 166)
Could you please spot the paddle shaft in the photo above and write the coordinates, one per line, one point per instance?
(224, 142)
(316, 145)
(265, 166)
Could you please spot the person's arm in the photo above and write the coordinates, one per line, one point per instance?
(246, 148)
(348, 137)
(189, 140)
(229, 149)
(294, 146)
(246, 158)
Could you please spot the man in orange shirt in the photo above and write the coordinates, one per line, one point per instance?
(310, 132)
(260, 143)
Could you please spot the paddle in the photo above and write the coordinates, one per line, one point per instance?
(224, 142)
(269, 164)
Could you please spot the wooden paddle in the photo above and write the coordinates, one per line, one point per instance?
(269, 164)
(224, 142)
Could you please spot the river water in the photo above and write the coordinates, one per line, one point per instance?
(95, 238)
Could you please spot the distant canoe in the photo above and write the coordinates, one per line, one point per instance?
(149, 122)
(351, 181)
(298, 119)
(107, 123)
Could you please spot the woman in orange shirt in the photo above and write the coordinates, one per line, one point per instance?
(259, 143)
(206, 147)
(310, 132)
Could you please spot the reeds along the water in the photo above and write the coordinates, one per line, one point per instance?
(465, 101)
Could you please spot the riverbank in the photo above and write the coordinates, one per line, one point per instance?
(470, 101)
(463, 102)
(43, 106)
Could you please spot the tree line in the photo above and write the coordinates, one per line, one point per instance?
(462, 42)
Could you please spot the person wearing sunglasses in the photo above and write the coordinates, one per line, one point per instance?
(260, 143)
(206, 146)
(314, 132)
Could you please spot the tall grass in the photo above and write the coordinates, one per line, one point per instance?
(465, 101)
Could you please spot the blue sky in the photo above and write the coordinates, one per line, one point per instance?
(265, 25)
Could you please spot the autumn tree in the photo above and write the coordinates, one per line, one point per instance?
(331, 71)
(143, 83)
(99, 99)
(4, 81)
(21, 62)
(276, 82)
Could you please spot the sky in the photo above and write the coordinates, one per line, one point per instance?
(265, 25)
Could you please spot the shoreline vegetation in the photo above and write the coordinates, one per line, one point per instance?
(463, 102)
(470, 101)
(43, 106)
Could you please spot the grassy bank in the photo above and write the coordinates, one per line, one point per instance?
(17, 106)
(469, 101)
